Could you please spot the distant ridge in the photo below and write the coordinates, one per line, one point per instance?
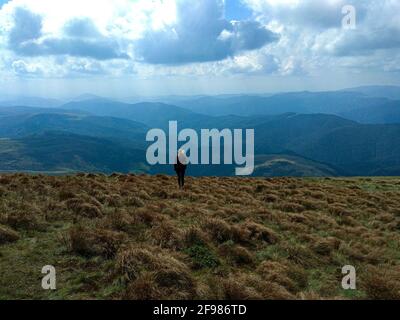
(86, 97)
(152, 114)
(29, 102)
(299, 133)
(390, 92)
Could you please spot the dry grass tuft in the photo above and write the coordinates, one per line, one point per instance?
(325, 247)
(218, 229)
(82, 208)
(143, 288)
(290, 276)
(26, 217)
(237, 254)
(166, 235)
(194, 236)
(252, 231)
(252, 287)
(98, 242)
(381, 283)
(135, 202)
(8, 235)
(165, 276)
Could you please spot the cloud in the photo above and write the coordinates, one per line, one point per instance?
(201, 34)
(2, 2)
(313, 38)
(194, 38)
(85, 66)
(319, 14)
(377, 23)
(22, 68)
(193, 31)
(254, 63)
(27, 29)
(81, 27)
(365, 42)
(80, 39)
(380, 31)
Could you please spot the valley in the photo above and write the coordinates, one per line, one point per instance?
(346, 133)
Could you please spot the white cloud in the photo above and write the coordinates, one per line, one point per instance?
(306, 13)
(312, 32)
(20, 67)
(68, 38)
(202, 34)
(150, 32)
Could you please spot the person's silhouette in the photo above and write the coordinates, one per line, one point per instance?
(180, 167)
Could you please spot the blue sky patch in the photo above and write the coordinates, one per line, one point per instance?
(236, 10)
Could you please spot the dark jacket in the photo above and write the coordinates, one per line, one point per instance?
(179, 167)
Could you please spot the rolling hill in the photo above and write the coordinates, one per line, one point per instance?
(351, 105)
(16, 125)
(291, 165)
(372, 150)
(154, 115)
(353, 148)
(66, 152)
(388, 113)
(390, 92)
(297, 102)
(11, 101)
(306, 144)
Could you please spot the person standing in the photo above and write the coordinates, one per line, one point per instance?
(180, 167)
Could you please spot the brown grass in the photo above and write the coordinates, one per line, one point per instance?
(91, 242)
(160, 272)
(382, 283)
(220, 238)
(8, 235)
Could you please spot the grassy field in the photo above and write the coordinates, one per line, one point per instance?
(139, 237)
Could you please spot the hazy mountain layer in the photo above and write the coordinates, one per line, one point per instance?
(96, 134)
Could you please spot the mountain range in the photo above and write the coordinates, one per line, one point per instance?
(352, 132)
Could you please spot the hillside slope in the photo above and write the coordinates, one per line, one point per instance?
(347, 147)
(333, 102)
(19, 125)
(65, 152)
(390, 92)
(291, 165)
(153, 115)
(138, 237)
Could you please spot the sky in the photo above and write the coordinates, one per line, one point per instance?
(123, 48)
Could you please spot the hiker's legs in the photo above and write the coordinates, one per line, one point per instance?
(179, 173)
(183, 178)
(179, 179)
